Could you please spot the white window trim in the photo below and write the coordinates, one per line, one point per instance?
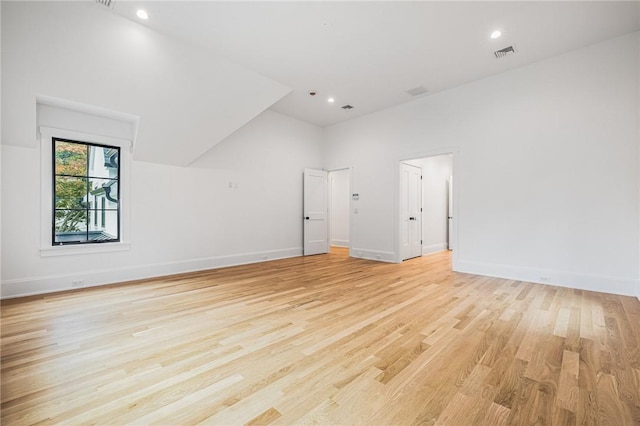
(46, 192)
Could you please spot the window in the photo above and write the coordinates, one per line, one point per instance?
(85, 177)
(86, 188)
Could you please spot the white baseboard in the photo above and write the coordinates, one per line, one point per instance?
(381, 256)
(340, 243)
(434, 248)
(601, 284)
(48, 284)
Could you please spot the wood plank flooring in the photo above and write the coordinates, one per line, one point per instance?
(322, 340)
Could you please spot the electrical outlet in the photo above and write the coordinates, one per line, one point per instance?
(545, 279)
(77, 283)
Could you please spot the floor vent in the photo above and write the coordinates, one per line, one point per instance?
(106, 3)
(504, 52)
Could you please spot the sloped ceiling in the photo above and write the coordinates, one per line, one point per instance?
(197, 71)
(188, 99)
(370, 53)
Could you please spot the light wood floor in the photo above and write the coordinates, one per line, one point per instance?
(323, 340)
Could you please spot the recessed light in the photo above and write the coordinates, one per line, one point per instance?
(142, 14)
(331, 100)
(496, 34)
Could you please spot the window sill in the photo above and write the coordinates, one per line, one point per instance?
(83, 249)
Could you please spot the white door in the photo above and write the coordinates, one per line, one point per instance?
(410, 206)
(450, 215)
(315, 212)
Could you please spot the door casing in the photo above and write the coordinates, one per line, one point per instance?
(456, 154)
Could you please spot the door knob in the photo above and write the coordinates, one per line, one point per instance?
(412, 218)
(306, 218)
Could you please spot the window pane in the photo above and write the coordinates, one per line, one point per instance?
(105, 227)
(107, 192)
(71, 158)
(86, 191)
(103, 162)
(71, 193)
(71, 226)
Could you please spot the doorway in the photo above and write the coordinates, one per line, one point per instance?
(434, 216)
(340, 210)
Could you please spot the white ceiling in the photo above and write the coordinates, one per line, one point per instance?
(368, 54)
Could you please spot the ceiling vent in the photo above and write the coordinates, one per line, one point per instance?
(106, 3)
(420, 90)
(504, 52)
(347, 107)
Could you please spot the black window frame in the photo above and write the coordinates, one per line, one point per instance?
(87, 177)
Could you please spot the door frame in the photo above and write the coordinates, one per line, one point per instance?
(455, 153)
(350, 169)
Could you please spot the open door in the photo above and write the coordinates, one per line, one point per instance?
(315, 212)
(410, 211)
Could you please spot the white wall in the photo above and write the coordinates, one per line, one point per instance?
(339, 207)
(436, 171)
(546, 169)
(182, 219)
(188, 100)
(547, 164)
(1, 179)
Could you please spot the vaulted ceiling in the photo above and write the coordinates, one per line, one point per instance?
(195, 72)
(368, 54)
